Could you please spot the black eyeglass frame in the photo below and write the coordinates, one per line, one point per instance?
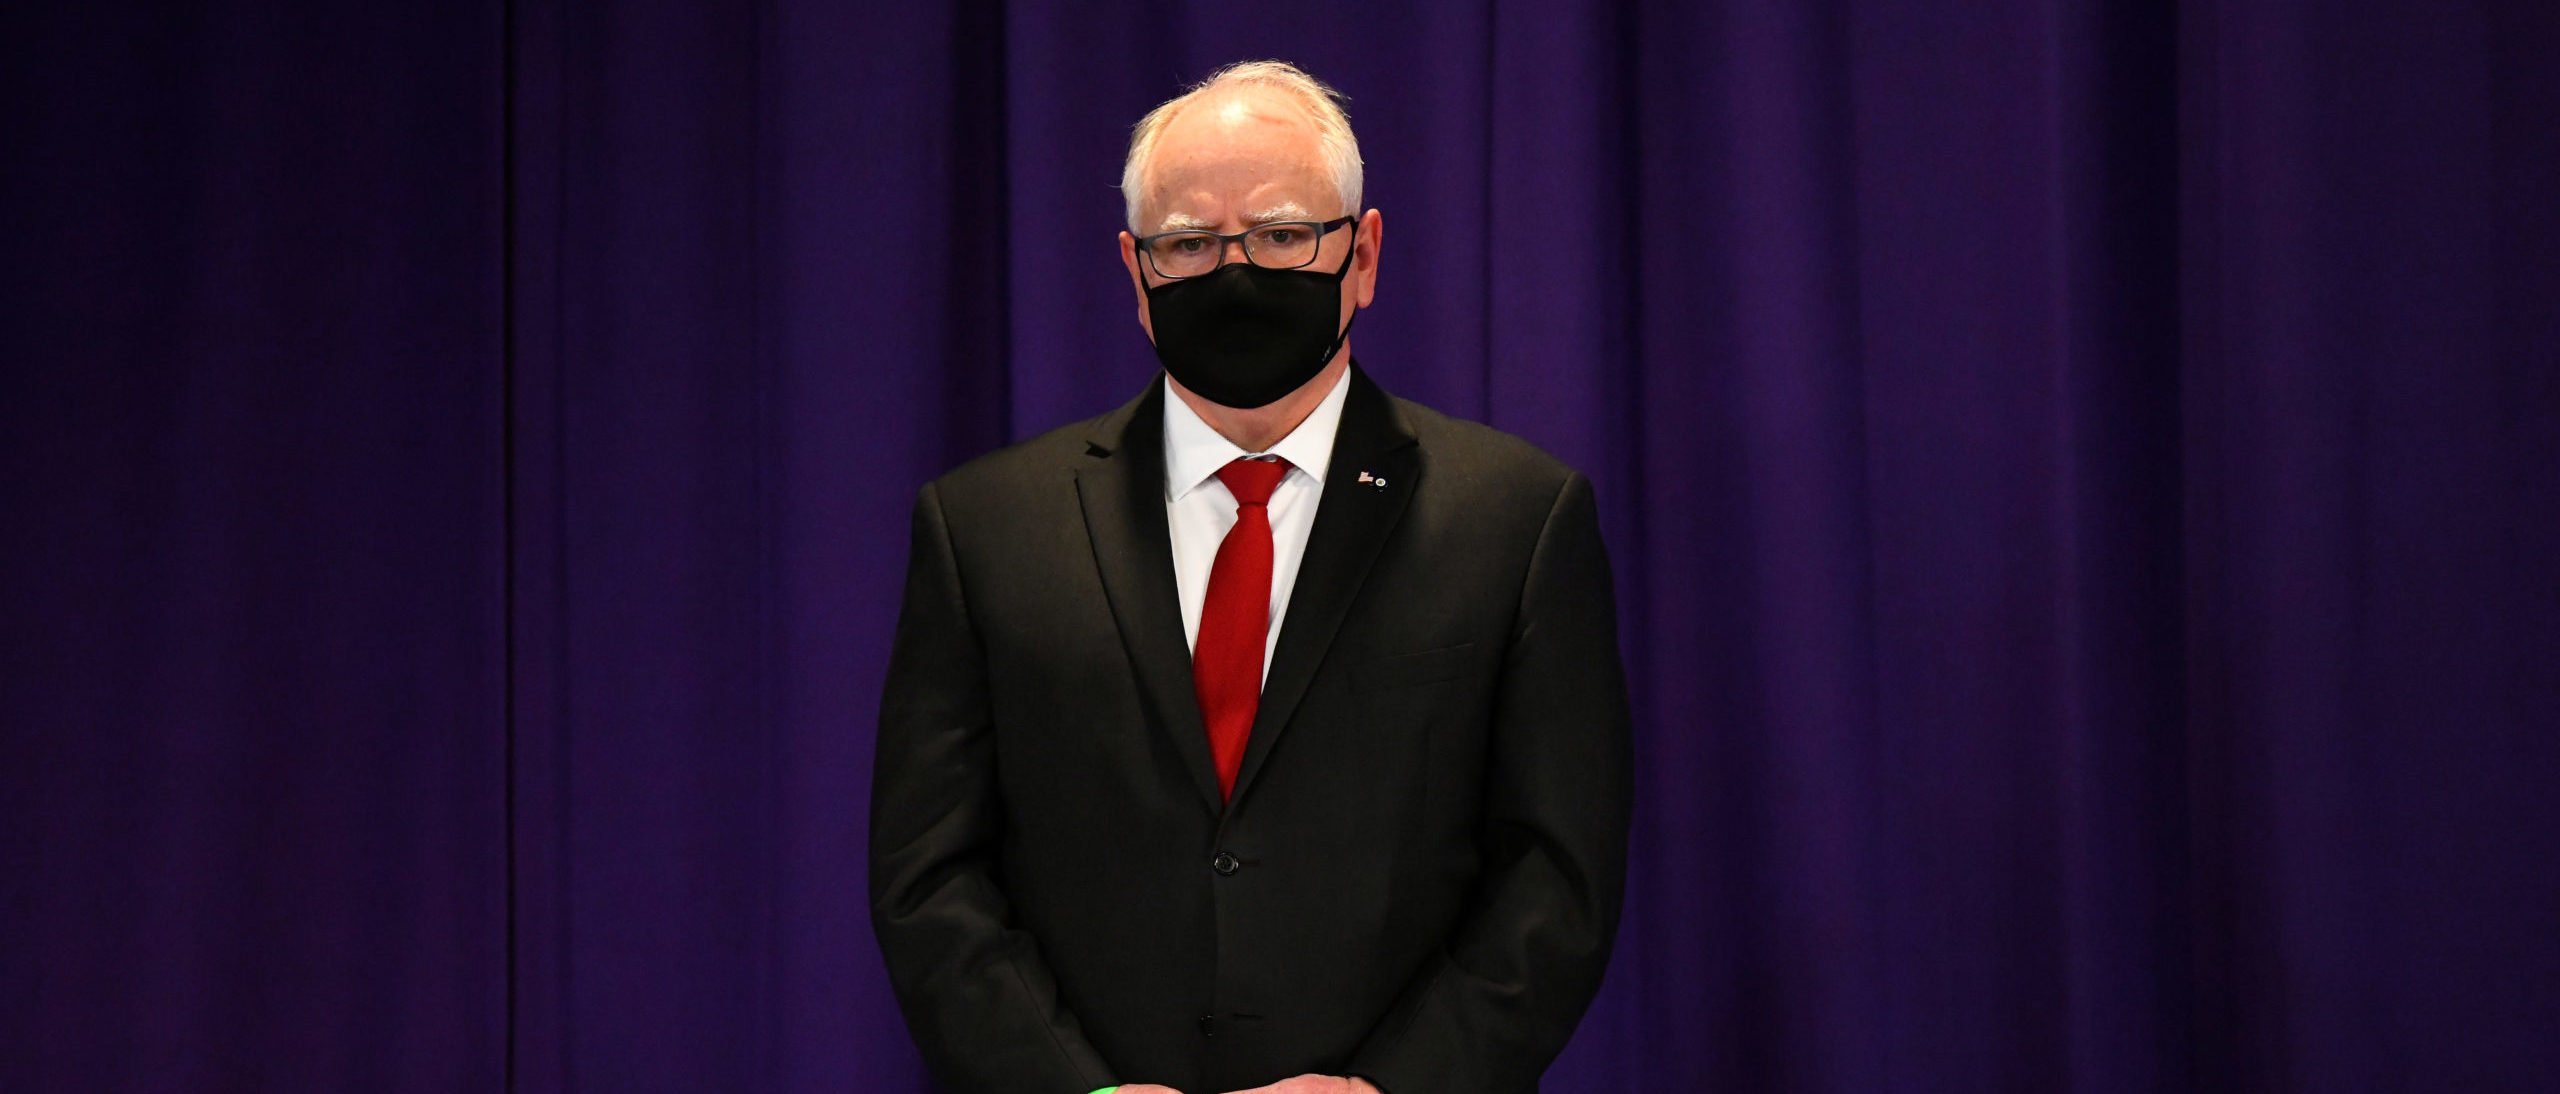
(1321, 228)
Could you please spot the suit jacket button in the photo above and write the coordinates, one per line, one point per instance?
(1225, 863)
(1208, 1025)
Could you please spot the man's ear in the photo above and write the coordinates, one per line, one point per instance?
(1364, 256)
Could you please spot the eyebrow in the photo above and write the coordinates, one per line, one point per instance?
(1287, 210)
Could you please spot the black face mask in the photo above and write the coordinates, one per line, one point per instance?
(1243, 336)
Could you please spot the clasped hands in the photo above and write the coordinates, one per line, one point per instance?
(1303, 1084)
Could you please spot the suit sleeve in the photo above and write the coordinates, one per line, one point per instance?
(1495, 1006)
(976, 992)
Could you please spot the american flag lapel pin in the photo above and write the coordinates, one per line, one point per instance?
(1372, 480)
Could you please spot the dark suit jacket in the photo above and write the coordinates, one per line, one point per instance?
(1418, 878)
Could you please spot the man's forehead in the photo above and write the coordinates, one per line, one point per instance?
(1250, 147)
(1199, 190)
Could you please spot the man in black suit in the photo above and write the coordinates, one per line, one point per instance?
(1267, 732)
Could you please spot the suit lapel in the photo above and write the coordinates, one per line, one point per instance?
(1120, 483)
(1353, 520)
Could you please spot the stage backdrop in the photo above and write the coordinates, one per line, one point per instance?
(2084, 479)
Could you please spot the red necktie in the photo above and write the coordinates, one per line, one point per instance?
(1235, 617)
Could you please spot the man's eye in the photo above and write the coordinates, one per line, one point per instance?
(1190, 246)
(1281, 236)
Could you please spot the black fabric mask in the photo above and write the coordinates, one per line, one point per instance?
(1243, 336)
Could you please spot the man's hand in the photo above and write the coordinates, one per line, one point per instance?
(1309, 1084)
(1147, 1088)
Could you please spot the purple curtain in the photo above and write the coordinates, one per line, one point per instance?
(2084, 480)
(253, 660)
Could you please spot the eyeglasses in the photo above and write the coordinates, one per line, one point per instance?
(1279, 245)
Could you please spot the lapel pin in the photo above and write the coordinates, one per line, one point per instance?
(1380, 483)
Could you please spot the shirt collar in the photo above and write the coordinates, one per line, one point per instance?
(1193, 452)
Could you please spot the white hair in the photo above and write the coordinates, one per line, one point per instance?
(1323, 104)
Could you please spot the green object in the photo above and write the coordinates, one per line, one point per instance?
(1106, 1090)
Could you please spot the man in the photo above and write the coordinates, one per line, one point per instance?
(1267, 733)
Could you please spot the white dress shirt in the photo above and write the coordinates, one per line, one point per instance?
(1198, 510)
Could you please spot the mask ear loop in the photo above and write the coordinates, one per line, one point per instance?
(1338, 339)
(1338, 275)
